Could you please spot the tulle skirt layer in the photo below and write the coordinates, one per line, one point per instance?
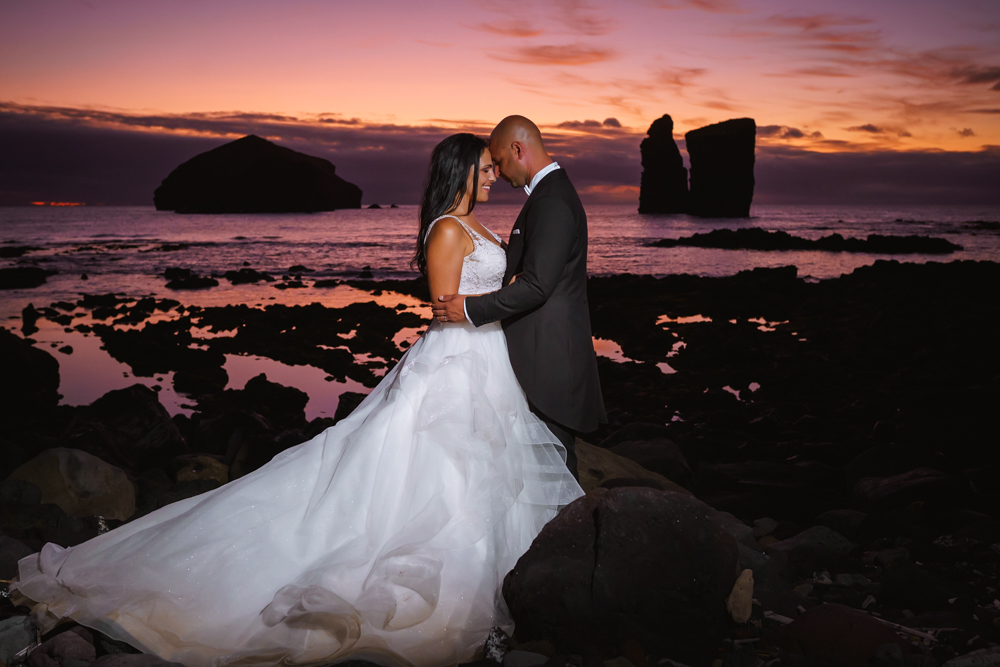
(386, 537)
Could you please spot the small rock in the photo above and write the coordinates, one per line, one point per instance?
(193, 467)
(764, 527)
(80, 484)
(739, 604)
(62, 648)
(845, 522)
(855, 580)
(833, 634)
(523, 659)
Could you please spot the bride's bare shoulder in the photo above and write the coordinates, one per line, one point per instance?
(447, 232)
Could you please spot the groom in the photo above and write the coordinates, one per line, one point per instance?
(544, 311)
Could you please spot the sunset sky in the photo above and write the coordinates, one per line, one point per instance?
(373, 85)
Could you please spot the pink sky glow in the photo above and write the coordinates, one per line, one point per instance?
(834, 76)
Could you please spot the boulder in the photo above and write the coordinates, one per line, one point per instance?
(80, 484)
(598, 466)
(660, 456)
(835, 635)
(63, 648)
(140, 429)
(722, 161)
(30, 380)
(922, 484)
(17, 633)
(253, 175)
(815, 548)
(664, 184)
(11, 551)
(216, 434)
(626, 564)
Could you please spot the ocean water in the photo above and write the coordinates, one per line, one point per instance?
(126, 250)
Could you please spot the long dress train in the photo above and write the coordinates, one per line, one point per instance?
(386, 537)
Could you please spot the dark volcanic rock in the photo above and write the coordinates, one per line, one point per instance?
(922, 484)
(722, 159)
(138, 427)
(658, 455)
(66, 647)
(629, 563)
(253, 175)
(23, 277)
(664, 185)
(835, 635)
(754, 238)
(30, 380)
(185, 279)
(245, 275)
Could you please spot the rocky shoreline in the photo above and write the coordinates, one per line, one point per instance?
(754, 238)
(836, 439)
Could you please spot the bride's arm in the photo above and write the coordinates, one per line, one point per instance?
(447, 246)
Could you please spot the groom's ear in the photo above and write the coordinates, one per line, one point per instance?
(517, 150)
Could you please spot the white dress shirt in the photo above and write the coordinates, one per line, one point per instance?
(542, 173)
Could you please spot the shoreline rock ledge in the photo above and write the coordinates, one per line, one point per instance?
(253, 175)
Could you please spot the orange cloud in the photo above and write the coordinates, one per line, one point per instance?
(510, 29)
(569, 54)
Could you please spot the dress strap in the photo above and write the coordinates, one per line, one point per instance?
(441, 217)
(468, 230)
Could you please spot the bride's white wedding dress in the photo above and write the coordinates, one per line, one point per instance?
(386, 537)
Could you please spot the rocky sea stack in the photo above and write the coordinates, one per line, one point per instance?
(722, 161)
(253, 175)
(664, 186)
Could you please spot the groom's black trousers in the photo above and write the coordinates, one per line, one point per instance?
(565, 435)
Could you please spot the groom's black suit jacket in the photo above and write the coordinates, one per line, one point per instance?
(545, 313)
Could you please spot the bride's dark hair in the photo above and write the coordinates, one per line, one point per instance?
(445, 185)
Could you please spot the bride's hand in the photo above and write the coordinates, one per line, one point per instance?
(513, 278)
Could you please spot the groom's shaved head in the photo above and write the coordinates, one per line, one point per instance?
(517, 149)
(517, 128)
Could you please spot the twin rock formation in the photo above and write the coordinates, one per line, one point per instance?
(253, 175)
(722, 159)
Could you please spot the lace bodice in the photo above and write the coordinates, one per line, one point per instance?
(483, 268)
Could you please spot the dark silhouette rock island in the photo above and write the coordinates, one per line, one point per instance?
(664, 186)
(722, 161)
(253, 175)
(722, 158)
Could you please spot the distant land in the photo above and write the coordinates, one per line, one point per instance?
(253, 175)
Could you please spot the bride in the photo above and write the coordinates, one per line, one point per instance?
(386, 537)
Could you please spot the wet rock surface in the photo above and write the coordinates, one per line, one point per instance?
(23, 277)
(626, 564)
(753, 238)
(840, 433)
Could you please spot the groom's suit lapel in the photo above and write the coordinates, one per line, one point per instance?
(515, 243)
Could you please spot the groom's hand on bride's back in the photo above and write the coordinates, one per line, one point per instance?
(449, 308)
